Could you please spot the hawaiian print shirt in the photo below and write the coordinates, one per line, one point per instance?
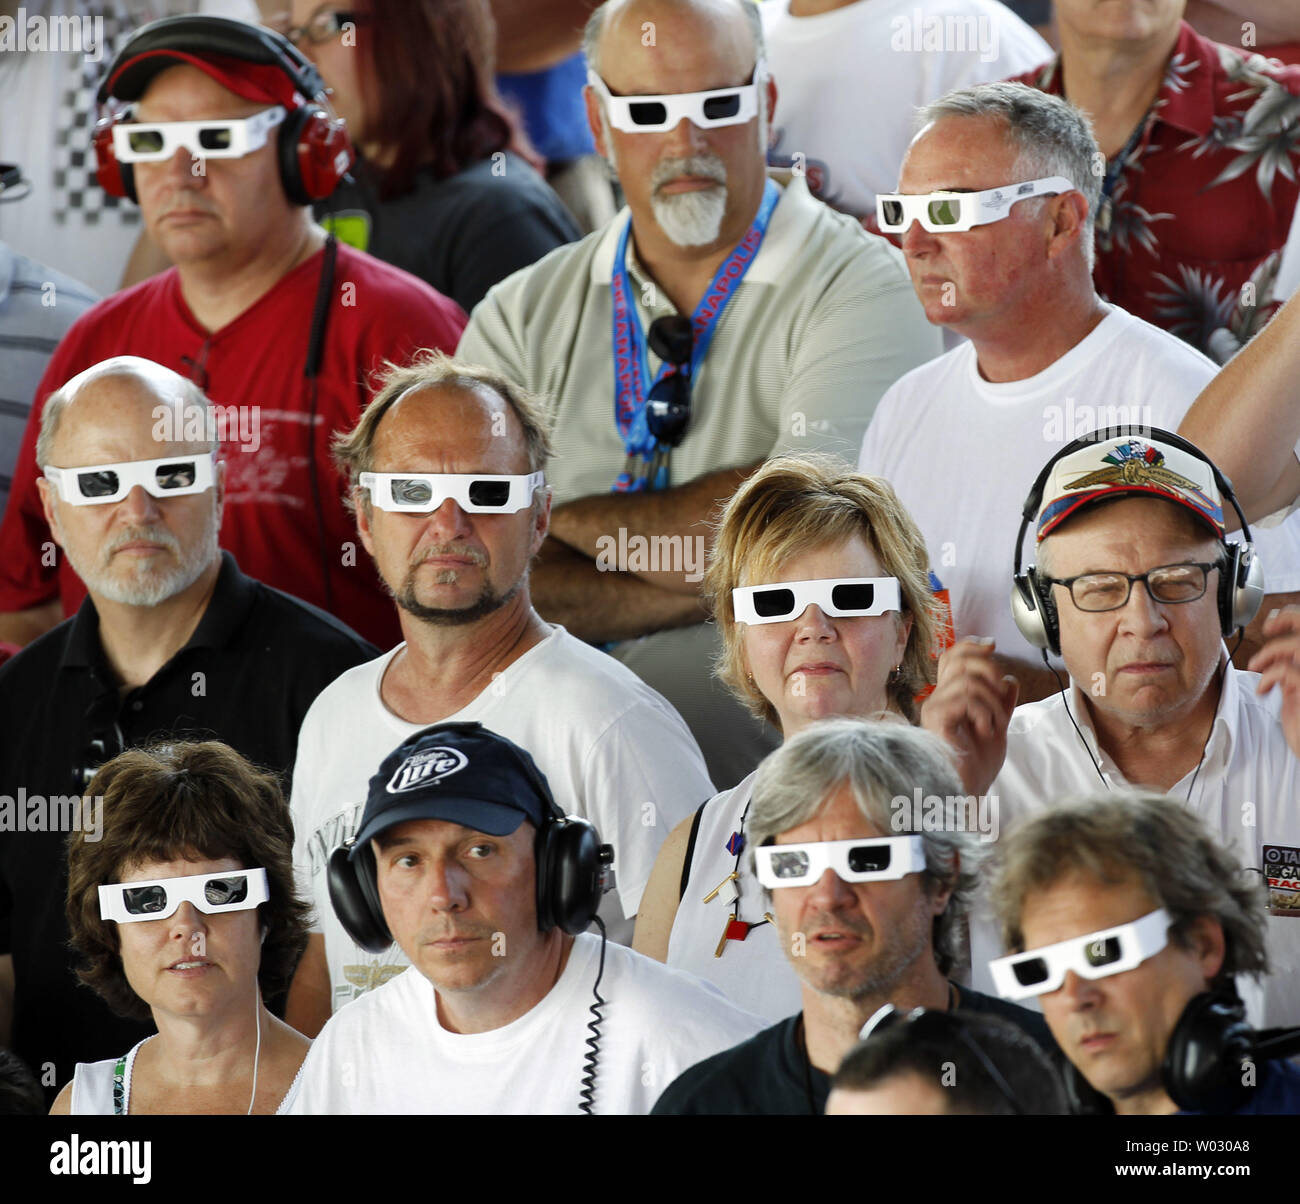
(1192, 233)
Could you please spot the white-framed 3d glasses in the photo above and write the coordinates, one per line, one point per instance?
(1094, 955)
(954, 212)
(475, 493)
(705, 110)
(168, 476)
(212, 894)
(839, 597)
(219, 138)
(869, 859)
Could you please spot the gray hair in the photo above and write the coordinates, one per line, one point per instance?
(885, 763)
(1112, 838)
(1051, 137)
(187, 394)
(595, 27)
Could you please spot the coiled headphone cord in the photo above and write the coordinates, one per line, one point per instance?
(591, 1057)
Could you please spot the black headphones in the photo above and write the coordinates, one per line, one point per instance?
(1241, 578)
(1202, 1068)
(571, 865)
(315, 150)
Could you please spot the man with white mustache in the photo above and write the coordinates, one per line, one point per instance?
(448, 469)
(717, 321)
(172, 642)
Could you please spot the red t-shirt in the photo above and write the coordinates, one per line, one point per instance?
(377, 313)
(1203, 202)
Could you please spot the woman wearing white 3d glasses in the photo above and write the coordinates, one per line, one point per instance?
(185, 912)
(820, 585)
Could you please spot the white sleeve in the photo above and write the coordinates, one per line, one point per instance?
(306, 786)
(641, 778)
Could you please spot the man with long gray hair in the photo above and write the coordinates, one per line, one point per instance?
(869, 893)
(995, 208)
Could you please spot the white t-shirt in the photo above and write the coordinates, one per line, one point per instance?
(879, 60)
(962, 454)
(1247, 792)
(754, 972)
(387, 1052)
(613, 751)
(47, 96)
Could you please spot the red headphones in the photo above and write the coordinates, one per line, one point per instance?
(315, 150)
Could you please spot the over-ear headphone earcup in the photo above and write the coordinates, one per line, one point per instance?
(569, 873)
(354, 894)
(116, 179)
(1034, 612)
(1248, 587)
(315, 154)
(1202, 1066)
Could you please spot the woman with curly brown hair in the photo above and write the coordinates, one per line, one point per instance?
(185, 912)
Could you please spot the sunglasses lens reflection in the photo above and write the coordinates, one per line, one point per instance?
(869, 858)
(409, 492)
(768, 603)
(1030, 972)
(1103, 952)
(176, 476)
(215, 138)
(97, 484)
(789, 865)
(145, 142)
(145, 900)
(946, 212)
(221, 892)
(648, 112)
(718, 107)
(893, 211)
(489, 493)
(853, 597)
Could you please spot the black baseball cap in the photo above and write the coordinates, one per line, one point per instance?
(459, 772)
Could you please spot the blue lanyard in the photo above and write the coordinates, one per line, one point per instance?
(631, 373)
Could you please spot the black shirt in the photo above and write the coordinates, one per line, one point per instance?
(461, 234)
(770, 1075)
(255, 663)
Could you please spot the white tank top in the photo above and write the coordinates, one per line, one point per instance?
(92, 1085)
(754, 972)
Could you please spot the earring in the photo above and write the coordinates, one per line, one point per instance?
(896, 675)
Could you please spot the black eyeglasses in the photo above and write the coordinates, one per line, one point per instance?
(668, 408)
(1170, 583)
(320, 27)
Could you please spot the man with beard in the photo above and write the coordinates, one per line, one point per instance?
(868, 892)
(720, 320)
(172, 642)
(447, 471)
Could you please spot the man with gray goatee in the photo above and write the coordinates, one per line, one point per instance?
(173, 641)
(719, 320)
(870, 910)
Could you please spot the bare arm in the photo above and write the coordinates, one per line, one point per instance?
(6, 1000)
(1221, 20)
(1247, 419)
(568, 588)
(654, 921)
(535, 34)
(21, 627)
(63, 1103)
(591, 525)
(308, 1006)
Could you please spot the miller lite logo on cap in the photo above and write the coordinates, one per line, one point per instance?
(426, 768)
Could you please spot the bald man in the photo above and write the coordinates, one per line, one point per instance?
(172, 641)
(719, 320)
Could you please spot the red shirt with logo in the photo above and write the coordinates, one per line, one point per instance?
(271, 521)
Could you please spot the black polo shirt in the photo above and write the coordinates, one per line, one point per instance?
(255, 663)
(770, 1075)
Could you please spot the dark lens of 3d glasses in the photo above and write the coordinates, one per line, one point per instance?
(97, 484)
(648, 112)
(489, 493)
(717, 107)
(145, 142)
(176, 476)
(1103, 952)
(407, 492)
(144, 900)
(869, 858)
(214, 139)
(222, 891)
(768, 603)
(790, 865)
(946, 212)
(893, 211)
(1030, 972)
(853, 597)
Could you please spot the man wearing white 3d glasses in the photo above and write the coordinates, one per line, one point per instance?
(1129, 922)
(868, 909)
(721, 319)
(448, 467)
(172, 639)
